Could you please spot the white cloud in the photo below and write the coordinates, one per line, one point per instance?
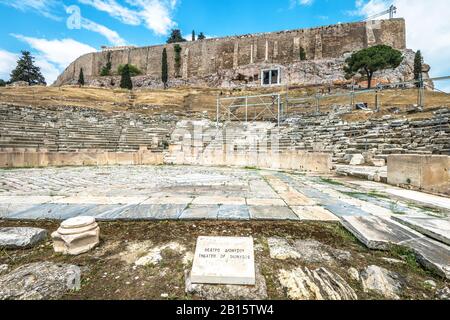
(112, 36)
(427, 26)
(301, 2)
(156, 15)
(60, 52)
(7, 63)
(53, 56)
(42, 7)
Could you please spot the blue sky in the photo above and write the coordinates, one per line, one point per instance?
(47, 28)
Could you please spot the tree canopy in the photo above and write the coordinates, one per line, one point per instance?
(418, 65)
(134, 71)
(2, 83)
(125, 80)
(27, 71)
(370, 60)
(81, 78)
(175, 36)
(201, 36)
(164, 70)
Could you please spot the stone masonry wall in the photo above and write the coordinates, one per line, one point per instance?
(206, 58)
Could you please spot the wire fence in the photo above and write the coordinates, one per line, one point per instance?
(392, 98)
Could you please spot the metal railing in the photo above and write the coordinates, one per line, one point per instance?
(279, 106)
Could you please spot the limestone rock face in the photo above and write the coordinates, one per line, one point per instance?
(306, 250)
(3, 268)
(320, 284)
(14, 238)
(381, 281)
(39, 281)
(228, 292)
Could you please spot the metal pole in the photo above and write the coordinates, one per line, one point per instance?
(279, 110)
(246, 109)
(377, 107)
(218, 110)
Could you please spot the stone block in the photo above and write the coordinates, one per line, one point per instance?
(15, 238)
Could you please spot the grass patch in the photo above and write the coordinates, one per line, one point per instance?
(406, 255)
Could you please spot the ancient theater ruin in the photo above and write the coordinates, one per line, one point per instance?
(259, 137)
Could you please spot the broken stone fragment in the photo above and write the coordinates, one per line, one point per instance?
(76, 236)
(39, 281)
(17, 238)
(320, 284)
(381, 281)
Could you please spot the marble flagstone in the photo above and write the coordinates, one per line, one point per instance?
(232, 212)
(436, 228)
(314, 213)
(200, 212)
(204, 200)
(271, 213)
(378, 233)
(266, 202)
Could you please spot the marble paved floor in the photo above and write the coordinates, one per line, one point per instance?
(186, 193)
(377, 214)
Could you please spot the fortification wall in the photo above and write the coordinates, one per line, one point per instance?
(214, 56)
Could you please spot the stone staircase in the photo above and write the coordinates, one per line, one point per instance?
(68, 129)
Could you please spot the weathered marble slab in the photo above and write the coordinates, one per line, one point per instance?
(224, 260)
(266, 202)
(432, 254)
(231, 212)
(378, 233)
(435, 228)
(146, 212)
(314, 213)
(218, 200)
(272, 213)
(194, 212)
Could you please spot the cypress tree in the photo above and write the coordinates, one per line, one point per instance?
(164, 70)
(81, 78)
(193, 35)
(125, 80)
(302, 54)
(418, 61)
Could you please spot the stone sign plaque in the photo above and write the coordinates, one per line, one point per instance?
(224, 260)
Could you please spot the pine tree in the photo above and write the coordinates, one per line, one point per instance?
(418, 62)
(125, 80)
(175, 37)
(27, 71)
(164, 70)
(193, 35)
(370, 60)
(201, 36)
(81, 78)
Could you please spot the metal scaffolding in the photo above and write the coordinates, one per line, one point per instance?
(250, 108)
